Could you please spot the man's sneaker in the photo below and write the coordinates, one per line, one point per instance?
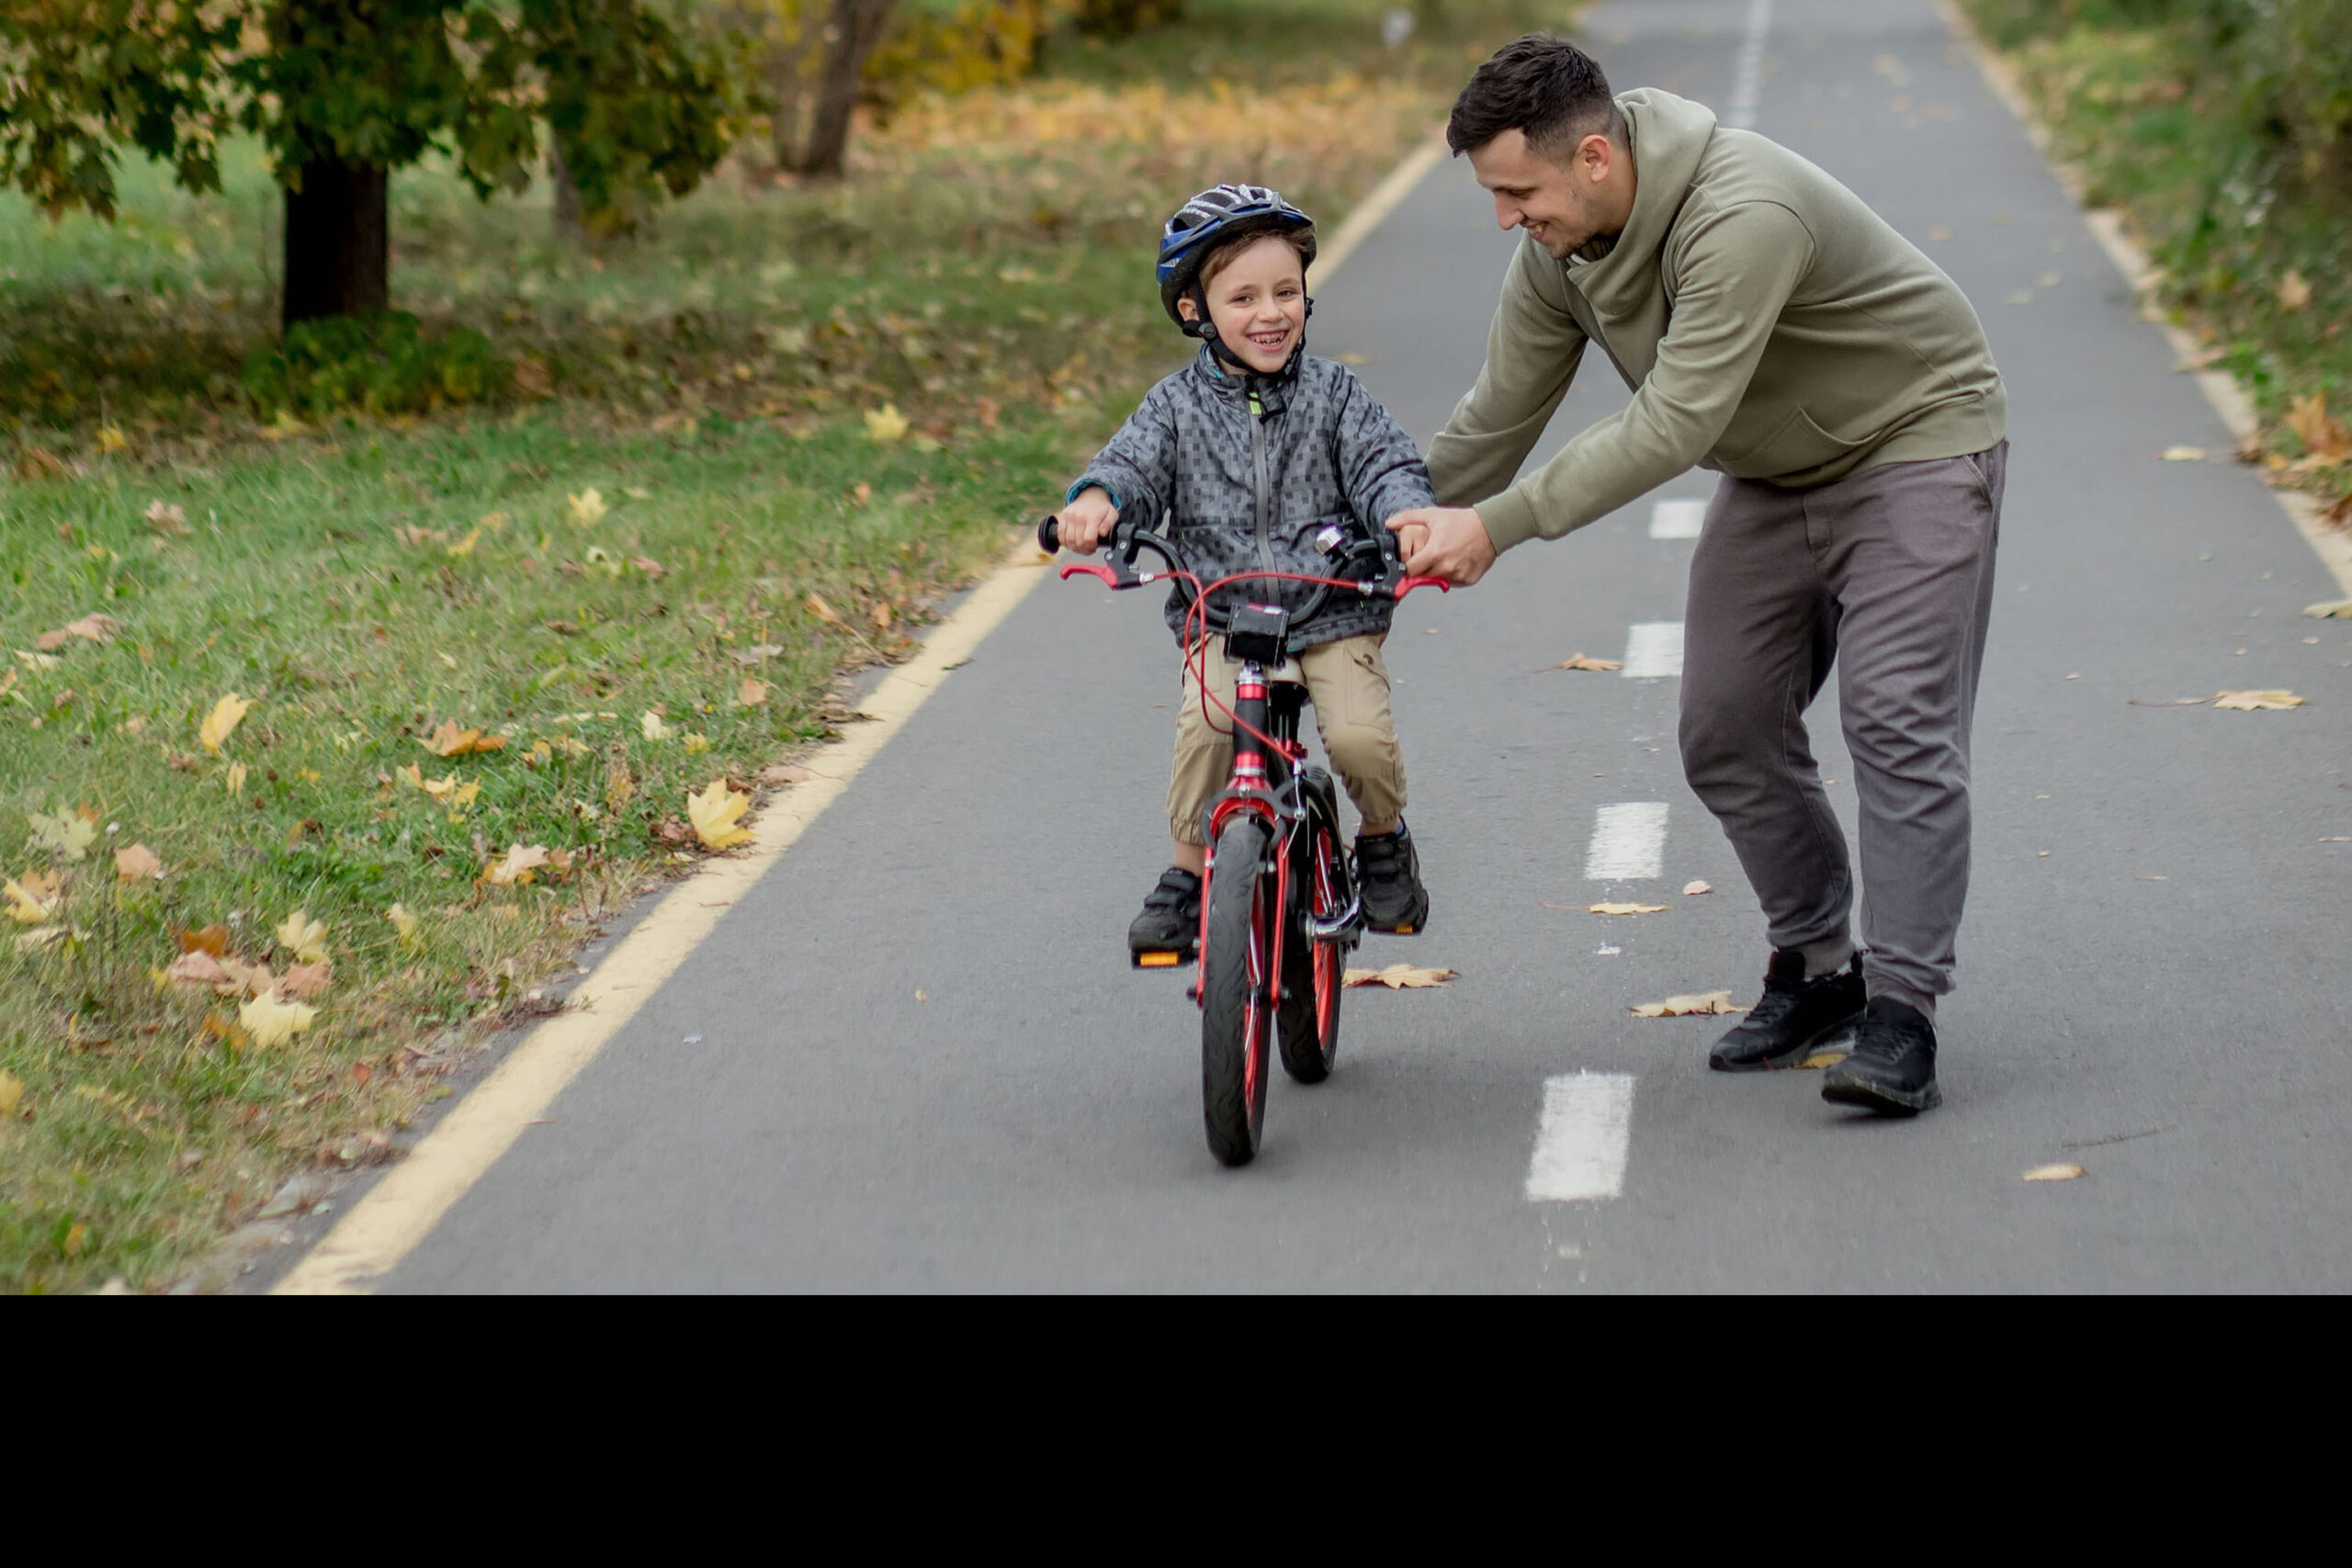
(1170, 921)
(1388, 873)
(1791, 1017)
(1893, 1069)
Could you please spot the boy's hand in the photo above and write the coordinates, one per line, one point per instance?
(1443, 541)
(1087, 520)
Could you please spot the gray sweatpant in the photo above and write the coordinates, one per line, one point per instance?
(1889, 573)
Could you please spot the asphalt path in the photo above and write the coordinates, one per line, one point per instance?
(914, 1059)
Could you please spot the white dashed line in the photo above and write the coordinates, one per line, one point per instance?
(1581, 1145)
(1628, 843)
(1654, 650)
(1677, 519)
(1748, 76)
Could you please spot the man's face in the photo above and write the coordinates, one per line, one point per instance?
(1561, 205)
(1258, 303)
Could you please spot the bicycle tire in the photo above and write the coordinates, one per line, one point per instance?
(1237, 993)
(1307, 1024)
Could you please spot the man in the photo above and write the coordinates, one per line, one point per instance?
(1774, 329)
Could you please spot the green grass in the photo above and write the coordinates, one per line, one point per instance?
(365, 580)
(2184, 138)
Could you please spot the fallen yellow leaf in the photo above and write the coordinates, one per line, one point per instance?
(12, 1093)
(236, 778)
(2183, 454)
(137, 863)
(751, 693)
(1697, 1004)
(272, 1023)
(2053, 1173)
(515, 868)
(649, 725)
(402, 921)
(588, 508)
(303, 937)
(69, 833)
(697, 743)
(112, 438)
(465, 546)
(33, 899)
(886, 424)
(2294, 291)
(1399, 978)
(2254, 702)
(225, 716)
(38, 937)
(450, 741)
(1628, 909)
(714, 813)
(1584, 661)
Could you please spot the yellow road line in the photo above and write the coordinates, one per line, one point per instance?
(400, 1211)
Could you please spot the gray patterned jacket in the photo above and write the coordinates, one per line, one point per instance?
(1241, 493)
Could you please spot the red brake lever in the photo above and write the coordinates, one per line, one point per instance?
(1093, 568)
(1440, 583)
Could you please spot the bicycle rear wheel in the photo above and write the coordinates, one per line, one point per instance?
(1307, 1024)
(1237, 992)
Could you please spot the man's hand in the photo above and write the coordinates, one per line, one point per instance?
(1087, 520)
(1443, 541)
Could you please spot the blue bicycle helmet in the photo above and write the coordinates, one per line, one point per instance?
(1209, 220)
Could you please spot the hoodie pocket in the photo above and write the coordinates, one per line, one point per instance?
(1799, 444)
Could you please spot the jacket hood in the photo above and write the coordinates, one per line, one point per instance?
(1669, 137)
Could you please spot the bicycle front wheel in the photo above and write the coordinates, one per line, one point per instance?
(1238, 991)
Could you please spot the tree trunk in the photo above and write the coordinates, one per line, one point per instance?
(338, 242)
(851, 32)
(567, 226)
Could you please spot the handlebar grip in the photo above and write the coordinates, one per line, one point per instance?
(1440, 583)
(1050, 535)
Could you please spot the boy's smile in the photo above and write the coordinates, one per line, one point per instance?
(1258, 304)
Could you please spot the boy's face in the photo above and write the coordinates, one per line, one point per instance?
(1258, 303)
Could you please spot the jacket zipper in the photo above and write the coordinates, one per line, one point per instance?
(1258, 464)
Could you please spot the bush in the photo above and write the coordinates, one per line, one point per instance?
(382, 364)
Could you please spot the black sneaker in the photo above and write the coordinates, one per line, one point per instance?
(1792, 1016)
(1388, 874)
(1893, 1069)
(1170, 921)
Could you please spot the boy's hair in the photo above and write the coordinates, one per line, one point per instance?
(1545, 88)
(1223, 256)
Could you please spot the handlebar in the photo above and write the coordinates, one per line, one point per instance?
(1117, 568)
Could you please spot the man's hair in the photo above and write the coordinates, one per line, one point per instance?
(1543, 87)
(1223, 255)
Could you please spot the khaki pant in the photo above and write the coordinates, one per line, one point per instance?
(1347, 683)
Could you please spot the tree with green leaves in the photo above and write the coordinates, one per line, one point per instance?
(343, 92)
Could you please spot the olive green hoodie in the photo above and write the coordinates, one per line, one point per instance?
(1772, 326)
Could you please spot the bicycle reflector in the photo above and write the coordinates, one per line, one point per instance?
(1256, 634)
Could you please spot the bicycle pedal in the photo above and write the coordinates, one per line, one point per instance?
(1161, 958)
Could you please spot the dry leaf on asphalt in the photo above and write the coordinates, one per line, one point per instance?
(2183, 454)
(272, 1023)
(2255, 702)
(2053, 1173)
(1697, 1004)
(1399, 978)
(713, 813)
(1585, 662)
(587, 508)
(1628, 909)
(303, 937)
(225, 716)
(137, 861)
(1692, 889)
(450, 741)
(33, 899)
(69, 833)
(520, 862)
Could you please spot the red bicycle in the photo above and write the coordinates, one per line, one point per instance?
(1279, 908)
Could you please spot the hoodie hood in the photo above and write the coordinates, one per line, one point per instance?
(1623, 288)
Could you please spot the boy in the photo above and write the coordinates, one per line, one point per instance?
(1248, 453)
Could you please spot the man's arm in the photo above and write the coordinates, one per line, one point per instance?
(1737, 269)
(1533, 350)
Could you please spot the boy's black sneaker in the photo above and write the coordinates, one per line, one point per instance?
(1893, 1069)
(1388, 874)
(1170, 921)
(1792, 1016)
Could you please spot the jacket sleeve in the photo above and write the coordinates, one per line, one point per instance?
(1138, 466)
(1379, 468)
(1533, 350)
(1737, 268)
